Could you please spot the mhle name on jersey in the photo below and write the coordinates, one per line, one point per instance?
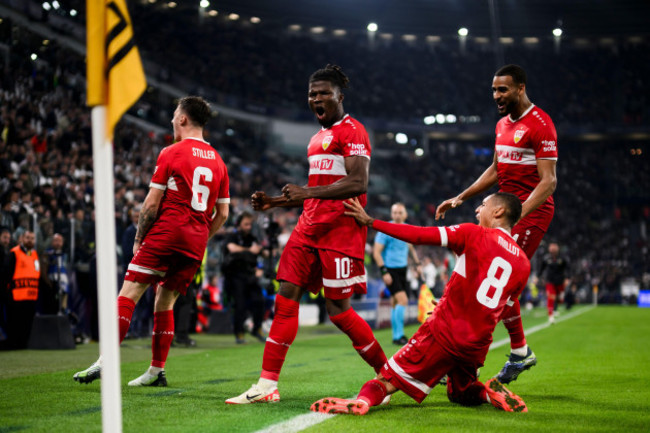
(205, 154)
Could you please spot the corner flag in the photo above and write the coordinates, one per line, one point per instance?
(115, 81)
(114, 69)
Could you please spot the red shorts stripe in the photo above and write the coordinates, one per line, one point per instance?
(173, 270)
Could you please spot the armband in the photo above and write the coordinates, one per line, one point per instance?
(383, 270)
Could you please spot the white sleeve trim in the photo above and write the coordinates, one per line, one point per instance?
(223, 200)
(443, 236)
(157, 186)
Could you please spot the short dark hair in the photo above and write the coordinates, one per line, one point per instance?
(515, 71)
(332, 73)
(512, 204)
(242, 216)
(196, 109)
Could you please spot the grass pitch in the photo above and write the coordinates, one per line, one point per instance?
(592, 376)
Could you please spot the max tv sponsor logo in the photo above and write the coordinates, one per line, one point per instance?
(549, 145)
(323, 164)
(512, 155)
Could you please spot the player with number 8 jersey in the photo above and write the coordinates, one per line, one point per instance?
(490, 272)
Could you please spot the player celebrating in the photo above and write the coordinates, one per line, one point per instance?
(525, 155)
(326, 248)
(178, 217)
(491, 270)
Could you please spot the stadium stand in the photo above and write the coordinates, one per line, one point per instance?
(603, 195)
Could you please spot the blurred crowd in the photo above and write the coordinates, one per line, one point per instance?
(392, 79)
(46, 183)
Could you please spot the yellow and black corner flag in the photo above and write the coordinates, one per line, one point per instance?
(114, 70)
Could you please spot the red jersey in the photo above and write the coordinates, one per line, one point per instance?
(491, 271)
(518, 146)
(194, 178)
(322, 223)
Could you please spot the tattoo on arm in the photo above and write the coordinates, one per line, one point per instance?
(146, 220)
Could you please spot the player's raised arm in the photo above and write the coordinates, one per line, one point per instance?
(353, 184)
(483, 183)
(405, 232)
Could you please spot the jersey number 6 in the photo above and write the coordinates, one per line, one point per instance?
(200, 193)
(482, 295)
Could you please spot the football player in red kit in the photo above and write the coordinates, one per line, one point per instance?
(491, 271)
(326, 248)
(187, 203)
(525, 155)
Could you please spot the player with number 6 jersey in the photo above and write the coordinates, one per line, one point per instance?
(194, 178)
(490, 272)
(187, 203)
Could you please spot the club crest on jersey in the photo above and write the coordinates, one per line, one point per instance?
(518, 135)
(326, 141)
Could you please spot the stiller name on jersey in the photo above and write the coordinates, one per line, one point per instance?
(205, 154)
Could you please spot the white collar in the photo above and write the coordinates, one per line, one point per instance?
(505, 231)
(522, 114)
(197, 139)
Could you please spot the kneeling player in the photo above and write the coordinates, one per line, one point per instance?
(490, 271)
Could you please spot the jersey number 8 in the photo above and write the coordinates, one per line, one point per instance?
(492, 281)
(200, 193)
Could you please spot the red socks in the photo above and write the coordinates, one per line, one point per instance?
(512, 320)
(163, 334)
(283, 332)
(125, 307)
(373, 392)
(363, 340)
(163, 329)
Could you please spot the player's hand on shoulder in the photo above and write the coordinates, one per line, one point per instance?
(355, 210)
(446, 205)
(260, 201)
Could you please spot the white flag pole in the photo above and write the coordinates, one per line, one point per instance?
(105, 248)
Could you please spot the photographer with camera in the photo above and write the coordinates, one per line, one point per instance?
(241, 285)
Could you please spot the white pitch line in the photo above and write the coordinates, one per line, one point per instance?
(298, 423)
(536, 328)
(301, 422)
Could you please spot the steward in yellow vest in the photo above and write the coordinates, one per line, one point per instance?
(23, 263)
(26, 274)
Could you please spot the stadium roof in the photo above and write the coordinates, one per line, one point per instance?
(577, 18)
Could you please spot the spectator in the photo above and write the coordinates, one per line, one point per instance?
(24, 267)
(241, 284)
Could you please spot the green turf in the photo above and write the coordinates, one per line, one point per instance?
(592, 376)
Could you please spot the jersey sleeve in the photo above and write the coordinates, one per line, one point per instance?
(355, 142)
(224, 188)
(455, 237)
(545, 141)
(161, 172)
